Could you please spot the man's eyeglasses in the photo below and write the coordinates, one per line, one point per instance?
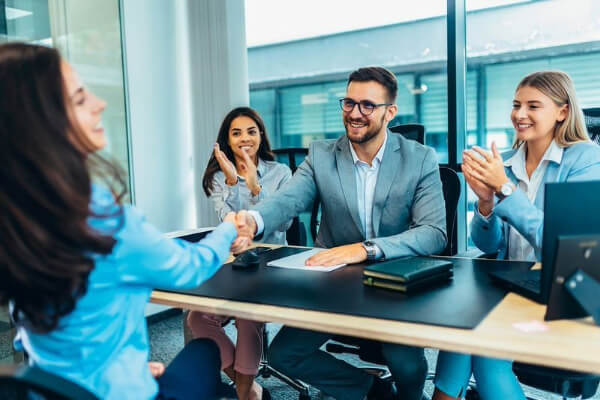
(365, 107)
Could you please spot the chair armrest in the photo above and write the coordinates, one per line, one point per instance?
(43, 382)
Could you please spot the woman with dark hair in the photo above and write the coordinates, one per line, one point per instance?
(240, 173)
(77, 266)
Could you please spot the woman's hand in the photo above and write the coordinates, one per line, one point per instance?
(484, 193)
(489, 168)
(156, 369)
(482, 174)
(250, 173)
(226, 166)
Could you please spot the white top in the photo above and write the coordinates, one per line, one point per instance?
(518, 247)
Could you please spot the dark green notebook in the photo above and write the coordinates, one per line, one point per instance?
(412, 286)
(406, 270)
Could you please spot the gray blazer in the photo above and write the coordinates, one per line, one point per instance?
(409, 216)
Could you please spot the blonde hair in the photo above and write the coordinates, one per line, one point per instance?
(558, 86)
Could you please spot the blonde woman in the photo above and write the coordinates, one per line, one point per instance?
(552, 145)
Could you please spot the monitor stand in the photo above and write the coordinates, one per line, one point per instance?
(584, 290)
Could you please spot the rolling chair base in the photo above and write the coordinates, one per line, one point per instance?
(266, 371)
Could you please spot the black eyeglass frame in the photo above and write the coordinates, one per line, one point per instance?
(360, 105)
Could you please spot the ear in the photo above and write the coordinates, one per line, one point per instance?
(391, 112)
(563, 113)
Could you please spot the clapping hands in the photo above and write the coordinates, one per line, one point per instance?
(247, 168)
(484, 173)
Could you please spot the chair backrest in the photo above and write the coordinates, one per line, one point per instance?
(292, 156)
(592, 122)
(450, 186)
(451, 189)
(296, 234)
(24, 382)
(411, 131)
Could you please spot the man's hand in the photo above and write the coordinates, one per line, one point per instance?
(245, 224)
(348, 254)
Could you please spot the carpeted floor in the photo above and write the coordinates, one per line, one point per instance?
(166, 339)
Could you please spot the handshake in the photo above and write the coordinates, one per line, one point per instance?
(246, 229)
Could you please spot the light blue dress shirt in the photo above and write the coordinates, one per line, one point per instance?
(366, 180)
(103, 344)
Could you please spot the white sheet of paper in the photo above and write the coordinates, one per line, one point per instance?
(297, 261)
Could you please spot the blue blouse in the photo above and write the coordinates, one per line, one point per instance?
(103, 344)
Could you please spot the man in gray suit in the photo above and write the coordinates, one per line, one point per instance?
(381, 197)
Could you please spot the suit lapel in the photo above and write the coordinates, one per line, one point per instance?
(551, 175)
(345, 168)
(385, 177)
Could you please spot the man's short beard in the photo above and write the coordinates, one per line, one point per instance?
(369, 135)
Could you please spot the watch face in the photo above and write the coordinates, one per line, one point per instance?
(506, 189)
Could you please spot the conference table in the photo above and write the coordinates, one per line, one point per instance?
(514, 329)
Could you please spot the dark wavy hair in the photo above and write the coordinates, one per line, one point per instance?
(264, 150)
(46, 244)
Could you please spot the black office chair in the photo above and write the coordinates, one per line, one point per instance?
(296, 234)
(20, 382)
(592, 122)
(411, 131)
(451, 189)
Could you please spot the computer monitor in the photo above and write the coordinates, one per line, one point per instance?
(578, 254)
(570, 208)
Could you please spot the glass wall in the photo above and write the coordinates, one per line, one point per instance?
(550, 35)
(505, 41)
(296, 84)
(298, 71)
(88, 34)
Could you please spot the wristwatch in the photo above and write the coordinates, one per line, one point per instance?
(371, 249)
(505, 190)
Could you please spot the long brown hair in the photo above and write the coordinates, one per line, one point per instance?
(46, 243)
(558, 86)
(264, 149)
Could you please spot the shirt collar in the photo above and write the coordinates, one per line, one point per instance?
(553, 153)
(378, 156)
(262, 167)
(517, 162)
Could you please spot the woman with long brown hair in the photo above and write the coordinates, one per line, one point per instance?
(77, 265)
(240, 173)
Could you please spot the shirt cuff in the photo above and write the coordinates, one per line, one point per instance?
(485, 218)
(260, 224)
(378, 252)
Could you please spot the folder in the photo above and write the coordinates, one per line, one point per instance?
(408, 274)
